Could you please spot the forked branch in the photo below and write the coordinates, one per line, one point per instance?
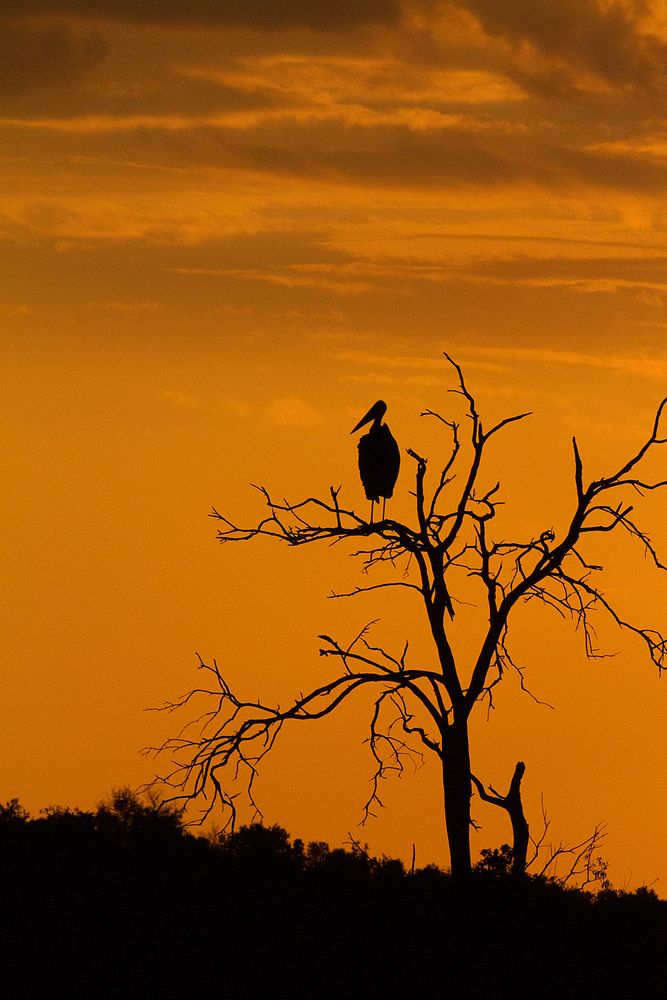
(232, 735)
(512, 804)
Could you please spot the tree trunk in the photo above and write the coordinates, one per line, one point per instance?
(519, 824)
(457, 788)
(513, 805)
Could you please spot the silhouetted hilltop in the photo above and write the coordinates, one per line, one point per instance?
(125, 902)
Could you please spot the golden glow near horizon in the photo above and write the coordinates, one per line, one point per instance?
(224, 233)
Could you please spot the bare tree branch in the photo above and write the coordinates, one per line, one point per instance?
(565, 864)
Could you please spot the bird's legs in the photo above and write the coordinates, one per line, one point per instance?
(371, 520)
(384, 504)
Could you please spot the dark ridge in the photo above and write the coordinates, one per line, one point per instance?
(125, 902)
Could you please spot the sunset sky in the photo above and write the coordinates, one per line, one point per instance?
(226, 229)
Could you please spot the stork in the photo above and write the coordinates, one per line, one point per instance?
(379, 457)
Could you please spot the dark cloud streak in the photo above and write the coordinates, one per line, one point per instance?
(391, 156)
(36, 57)
(638, 270)
(602, 39)
(261, 14)
(173, 95)
(400, 156)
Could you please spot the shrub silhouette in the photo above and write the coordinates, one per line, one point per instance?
(122, 901)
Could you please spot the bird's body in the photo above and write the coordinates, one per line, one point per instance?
(379, 461)
(379, 456)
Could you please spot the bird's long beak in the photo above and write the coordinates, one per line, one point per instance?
(371, 415)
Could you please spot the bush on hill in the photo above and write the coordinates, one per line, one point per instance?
(124, 901)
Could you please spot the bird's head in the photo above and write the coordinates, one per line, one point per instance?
(376, 413)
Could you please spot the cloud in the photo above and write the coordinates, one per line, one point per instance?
(293, 411)
(125, 307)
(502, 359)
(338, 284)
(647, 366)
(178, 99)
(353, 145)
(460, 154)
(262, 14)
(15, 311)
(371, 80)
(421, 111)
(403, 370)
(182, 400)
(35, 57)
(607, 39)
(592, 273)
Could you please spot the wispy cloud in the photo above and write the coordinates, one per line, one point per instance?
(502, 359)
(285, 278)
(293, 411)
(126, 307)
(15, 310)
(648, 366)
(180, 399)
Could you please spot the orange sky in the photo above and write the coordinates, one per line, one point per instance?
(224, 234)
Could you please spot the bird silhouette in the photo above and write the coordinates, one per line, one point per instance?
(379, 457)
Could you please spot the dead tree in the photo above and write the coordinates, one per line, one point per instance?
(417, 708)
(513, 805)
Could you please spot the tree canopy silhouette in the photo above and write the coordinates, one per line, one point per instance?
(450, 538)
(123, 901)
